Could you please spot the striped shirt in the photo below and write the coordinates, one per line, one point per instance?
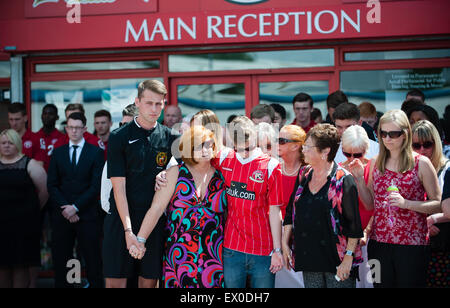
(253, 184)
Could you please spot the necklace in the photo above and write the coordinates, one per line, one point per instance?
(292, 173)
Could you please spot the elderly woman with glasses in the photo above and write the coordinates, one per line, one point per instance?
(323, 216)
(355, 143)
(426, 141)
(398, 181)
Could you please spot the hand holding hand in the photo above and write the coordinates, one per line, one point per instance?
(68, 211)
(74, 219)
(276, 263)
(343, 270)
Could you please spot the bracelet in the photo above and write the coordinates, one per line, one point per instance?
(434, 219)
(141, 239)
(276, 250)
(128, 230)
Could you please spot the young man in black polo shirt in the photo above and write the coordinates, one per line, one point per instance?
(137, 152)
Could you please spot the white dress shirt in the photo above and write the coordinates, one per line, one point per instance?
(79, 149)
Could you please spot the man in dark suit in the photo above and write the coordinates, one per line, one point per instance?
(74, 177)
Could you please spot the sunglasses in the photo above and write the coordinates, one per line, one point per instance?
(284, 140)
(394, 134)
(247, 149)
(354, 155)
(425, 145)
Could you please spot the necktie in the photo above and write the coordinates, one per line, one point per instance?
(74, 156)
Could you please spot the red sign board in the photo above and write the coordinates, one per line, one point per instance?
(59, 8)
(238, 24)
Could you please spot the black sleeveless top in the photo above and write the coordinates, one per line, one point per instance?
(18, 197)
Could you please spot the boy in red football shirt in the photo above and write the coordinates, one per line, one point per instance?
(253, 227)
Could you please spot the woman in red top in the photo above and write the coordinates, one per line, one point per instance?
(290, 142)
(398, 182)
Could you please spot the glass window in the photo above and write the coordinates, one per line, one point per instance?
(112, 95)
(5, 69)
(397, 55)
(251, 60)
(387, 89)
(97, 66)
(283, 92)
(224, 99)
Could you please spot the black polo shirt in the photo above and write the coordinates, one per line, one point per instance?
(139, 155)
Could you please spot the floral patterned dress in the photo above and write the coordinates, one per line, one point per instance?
(393, 225)
(193, 252)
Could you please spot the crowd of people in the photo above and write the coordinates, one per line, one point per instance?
(360, 199)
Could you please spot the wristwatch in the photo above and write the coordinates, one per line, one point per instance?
(278, 250)
(349, 253)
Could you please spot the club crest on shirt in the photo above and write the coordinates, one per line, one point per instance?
(28, 144)
(161, 159)
(257, 177)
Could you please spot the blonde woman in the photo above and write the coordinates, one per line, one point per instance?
(23, 192)
(290, 142)
(398, 181)
(426, 141)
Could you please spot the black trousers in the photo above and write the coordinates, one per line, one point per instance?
(401, 266)
(87, 232)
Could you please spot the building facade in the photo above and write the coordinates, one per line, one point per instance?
(224, 55)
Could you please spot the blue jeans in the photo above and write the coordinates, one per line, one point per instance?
(237, 265)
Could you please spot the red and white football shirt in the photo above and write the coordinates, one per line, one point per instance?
(253, 185)
(29, 144)
(46, 144)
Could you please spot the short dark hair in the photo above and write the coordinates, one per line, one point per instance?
(303, 97)
(411, 103)
(416, 92)
(315, 113)
(17, 107)
(77, 116)
(130, 110)
(262, 110)
(76, 106)
(103, 113)
(279, 109)
(346, 111)
(325, 136)
(51, 106)
(431, 114)
(336, 98)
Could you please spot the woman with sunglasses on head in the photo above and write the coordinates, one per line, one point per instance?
(426, 141)
(355, 143)
(398, 181)
(290, 142)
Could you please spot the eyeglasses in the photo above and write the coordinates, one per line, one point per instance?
(425, 145)
(394, 134)
(205, 145)
(247, 149)
(354, 155)
(284, 140)
(76, 128)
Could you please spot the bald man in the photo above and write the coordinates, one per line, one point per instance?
(172, 115)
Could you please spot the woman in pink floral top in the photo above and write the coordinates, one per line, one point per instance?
(402, 189)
